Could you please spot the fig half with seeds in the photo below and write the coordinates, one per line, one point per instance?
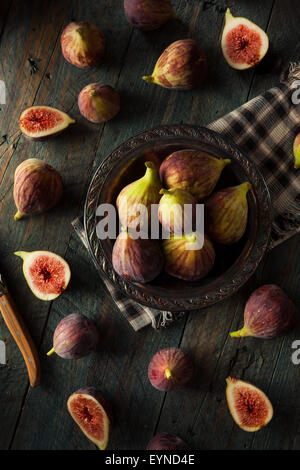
(47, 274)
(92, 414)
(37, 187)
(249, 406)
(269, 313)
(40, 122)
(244, 44)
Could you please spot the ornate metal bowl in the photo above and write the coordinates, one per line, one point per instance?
(234, 264)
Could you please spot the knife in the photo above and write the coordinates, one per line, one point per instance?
(20, 334)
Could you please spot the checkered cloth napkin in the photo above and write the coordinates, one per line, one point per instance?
(264, 128)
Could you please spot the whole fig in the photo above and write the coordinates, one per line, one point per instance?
(196, 172)
(170, 369)
(226, 214)
(37, 187)
(182, 66)
(74, 337)
(98, 103)
(82, 44)
(137, 260)
(166, 441)
(143, 192)
(185, 259)
(148, 14)
(177, 210)
(269, 313)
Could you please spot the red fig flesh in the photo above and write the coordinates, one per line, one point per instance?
(82, 44)
(98, 103)
(269, 313)
(250, 408)
(47, 274)
(90, 412)
(148, 14)
(37, 187)
(40, 122)
(170, 369)
(244, 44)
(75, 336)
(166, 441)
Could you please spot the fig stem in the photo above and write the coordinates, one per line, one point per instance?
(52, 351)
(246, 186)
(240, 333)
(148, 78)
(226, 161)
(18, 215)
(168, 373)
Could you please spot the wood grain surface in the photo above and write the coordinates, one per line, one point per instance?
(35, 72)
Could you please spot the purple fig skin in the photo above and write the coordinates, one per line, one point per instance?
(188, 264)
(37, 187)
(139, 260)
(98, 103)
(196, 172)
(226, 214)
(269, 313)
(170, 369)
(75, 336)
(82, 44)
(166, 441)
(182, 66)
(148, 15)
(177, 210)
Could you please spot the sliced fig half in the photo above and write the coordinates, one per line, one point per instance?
(40, 122)
(90, 412)
(47, 274)
(244, 44)
(249, 406)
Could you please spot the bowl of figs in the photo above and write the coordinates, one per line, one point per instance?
(177, 218)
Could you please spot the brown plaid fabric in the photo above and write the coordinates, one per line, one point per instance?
(264, 128)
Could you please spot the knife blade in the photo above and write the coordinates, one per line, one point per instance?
(20, 334)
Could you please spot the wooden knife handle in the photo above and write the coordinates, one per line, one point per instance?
(22, 338)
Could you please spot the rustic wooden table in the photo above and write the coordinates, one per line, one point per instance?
(35, 72)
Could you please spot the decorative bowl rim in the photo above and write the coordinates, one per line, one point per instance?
(217, 290)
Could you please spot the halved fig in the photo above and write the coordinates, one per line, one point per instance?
(244, 44)
(90, 412)
(47, 274)
(249, 406)
(40, 122)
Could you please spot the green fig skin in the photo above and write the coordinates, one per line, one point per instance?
(196, 172)
(172, 212)
(144, 191)
(296, 149)
(182, 66)
(188, 264)
(226, 214)
(269, 313)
